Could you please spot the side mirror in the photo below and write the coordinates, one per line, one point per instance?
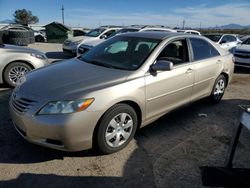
(103, 37)
(223, 42)
(162, 65)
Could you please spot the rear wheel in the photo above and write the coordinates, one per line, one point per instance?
(218, 89)
(14, 72)
(117, 128)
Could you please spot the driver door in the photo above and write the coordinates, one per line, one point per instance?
(167, 90)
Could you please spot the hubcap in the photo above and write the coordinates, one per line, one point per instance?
(16, 73)
(119, 130)
(219, 89)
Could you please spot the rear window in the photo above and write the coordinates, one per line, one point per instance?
(202, 49)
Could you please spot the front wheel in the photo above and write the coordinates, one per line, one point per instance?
(218, 89)
(14, 71)
(117, 128)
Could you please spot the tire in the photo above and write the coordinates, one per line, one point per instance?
(39, 38)
(19, 41)
(119, 121)
(32, 40)
(11, 69)
(218, 89)
(19, 34)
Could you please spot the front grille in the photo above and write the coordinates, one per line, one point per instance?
(243, 64)
(242, 52)
(242, 55)
(21, 104)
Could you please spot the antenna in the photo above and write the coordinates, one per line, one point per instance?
(62, 9)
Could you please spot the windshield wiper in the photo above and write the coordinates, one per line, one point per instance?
(94, 62)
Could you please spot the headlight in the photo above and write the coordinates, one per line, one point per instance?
(39, 56)
(65, 107)
(75, 43)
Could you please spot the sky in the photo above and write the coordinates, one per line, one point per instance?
(93, 13)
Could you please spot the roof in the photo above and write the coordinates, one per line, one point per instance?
(154, 34)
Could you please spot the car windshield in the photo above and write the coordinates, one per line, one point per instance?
(95, 32)
(214, 38)
(247, 41)
(121, 52)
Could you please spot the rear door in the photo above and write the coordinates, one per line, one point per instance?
(169, 89)
(208, 64)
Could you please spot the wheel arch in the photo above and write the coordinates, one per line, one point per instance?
(132, 104)
(16, 61)
(226, 76)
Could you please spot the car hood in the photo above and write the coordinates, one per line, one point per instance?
(19, 49)
(243, 47)
(79, 38)
(70, 79)
(92, 41)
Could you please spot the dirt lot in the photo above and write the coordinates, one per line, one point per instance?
(167, 153)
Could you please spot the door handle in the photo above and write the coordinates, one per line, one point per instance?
(189, 70)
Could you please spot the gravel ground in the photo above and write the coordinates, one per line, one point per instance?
(165, 154)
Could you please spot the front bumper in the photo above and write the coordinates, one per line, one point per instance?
(68, 132)
(69, 49)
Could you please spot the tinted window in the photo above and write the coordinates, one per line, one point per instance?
(247, 41)
(214, 38)
(202, 49)
(108, 33)
(95, 32)
(231, 38)
(176, 52)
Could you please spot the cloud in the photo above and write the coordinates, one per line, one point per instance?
(210, 16)
(204, 14)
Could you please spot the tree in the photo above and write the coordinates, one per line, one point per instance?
(25, 17)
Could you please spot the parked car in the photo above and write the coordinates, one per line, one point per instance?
(95, 37)
(194, 32)
(162, 29)
(242, 54)
(83, 48)
(226, 41)
(123, 84)
(90, 39)
(15, 61)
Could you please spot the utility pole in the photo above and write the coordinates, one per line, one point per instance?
(62, 9)
(183, 24)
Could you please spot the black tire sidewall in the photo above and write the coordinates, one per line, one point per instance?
(212, 96)
(9, 67)
(110, 114)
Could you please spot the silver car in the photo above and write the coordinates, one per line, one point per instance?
(15, 61)
(102, 97)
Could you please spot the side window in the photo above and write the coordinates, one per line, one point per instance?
(176, 52)
(120, 46)
(149, 45)
(225, 39)
(231, 38)
(202, 49)
(108, 33)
